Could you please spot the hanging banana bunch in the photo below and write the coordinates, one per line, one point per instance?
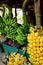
(35, 38)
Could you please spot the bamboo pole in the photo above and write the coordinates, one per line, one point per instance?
(37, 12)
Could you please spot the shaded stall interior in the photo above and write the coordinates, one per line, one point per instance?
(29, 8)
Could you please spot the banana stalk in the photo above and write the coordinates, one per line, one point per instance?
(24, 12)
(37, 13)
(24, 5)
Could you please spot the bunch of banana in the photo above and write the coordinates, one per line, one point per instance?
(16, 59)
(35, 46)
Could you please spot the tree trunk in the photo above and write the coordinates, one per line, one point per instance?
(37, 12)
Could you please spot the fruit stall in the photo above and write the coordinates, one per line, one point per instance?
(21, 32)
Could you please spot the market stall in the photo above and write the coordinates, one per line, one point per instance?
(21, 33)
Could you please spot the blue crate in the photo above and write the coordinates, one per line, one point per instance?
(9, 49)
(0, 50)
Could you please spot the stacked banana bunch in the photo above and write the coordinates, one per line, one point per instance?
(16, 59)
(35, 46)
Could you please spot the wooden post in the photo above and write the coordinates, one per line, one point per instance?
(37, 12)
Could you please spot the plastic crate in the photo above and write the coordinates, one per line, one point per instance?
(0, 50)
(9, 49)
